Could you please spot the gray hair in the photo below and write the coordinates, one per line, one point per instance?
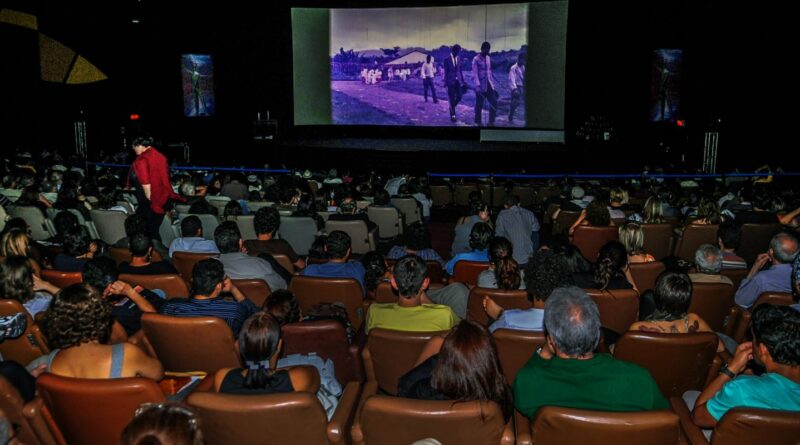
(784, 247)
(572, 320)
(708, 259)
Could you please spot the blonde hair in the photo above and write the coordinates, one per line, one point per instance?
(619, 195)
(15, 242)
(654, 211)
(631, 236)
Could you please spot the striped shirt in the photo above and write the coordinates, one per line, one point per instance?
(733, 261)
(234, 313)
(397, 252)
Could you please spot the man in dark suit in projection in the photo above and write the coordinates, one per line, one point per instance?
(454, 79)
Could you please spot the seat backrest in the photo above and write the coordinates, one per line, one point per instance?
(525, 194)
(775, 298)
(410, 209)
(461, 194)
(619, 308)
(184, 262)
(645, 274)
(389, 354)
(515, 348)
(120, 255)
(35, 219)
(185, 344)
(441, 195)
(209, 222)
(311, 291)
(327, 339)
(507, 299)
(736, 275)
(285, 262)
(741, 426)
(359, 235)
(28, 346)
(169, 230)
(256, 291)
(554, 425)
(182, 209)
(565, 220)
(677, 362)
(61, 279)
(246, 227)
(393, 420)
(695, 235)
(755, 240)
(299, 232)
(384, 293)
(110, 225)
(11, 404)
(95, 411)
(590, 239)
(172, 285)
(435, 271)
(387, 219)
(295, 417)
(467, 271)
(712, 302)
(657, 239)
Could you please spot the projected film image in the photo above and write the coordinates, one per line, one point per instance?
(665, 93)
(198, 85)
(440, 66)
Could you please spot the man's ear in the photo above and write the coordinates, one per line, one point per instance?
(425, 283)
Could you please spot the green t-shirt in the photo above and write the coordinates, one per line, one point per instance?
(770, 391)
(600, 383)
(426, 317)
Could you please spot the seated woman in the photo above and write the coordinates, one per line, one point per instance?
(462, 367)
(31, 197)
(596, 214)
(479, 214)
(78, 327)
(376, 271)
(18, 282)
(232, 208)
(479, 242)
(259, 345)
(283, 305)
(70, 197)
(631, 236)
(16, 241)
(610, 272)
(78, 249)
(503, 272)
(618, 203)
(141, 247)
(171, 424)
(672, 298)
(652, 212)
(707, 212)
(416, 241)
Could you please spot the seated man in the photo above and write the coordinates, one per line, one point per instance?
(266, 223)
(191, 239)
(138, 224)
(521, 227)
(413, 310)
(776, 335)
(208, 282)
(141, 247)
(708, 261)
(479, 242)
(729, 236)
(337, 247)
(567, 373)
(238, 264)
(78, 249)
(782, 252)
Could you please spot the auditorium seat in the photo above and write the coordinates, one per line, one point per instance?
(525, 194)
(713, 303)
(61, 279)
(361, 239)
(255, 290)
(110, 225)
(461, 194)
(645, 274)
(311, 291)
(755, 240)
(589, 239)
(173, 285)
(507, 299)
(441, 195)
(515, 348)
(35, 219)
(736, 275)
(743, 426)
(12, 406)
(28, 346)
(695, 235)
(210, 223)
(657, 240)
(388, 220)
(246, 227)
(467, 271)
(327, 339)
(184, 262)
(299, 232)
(389, 354)
(619, 309)
(410, 208)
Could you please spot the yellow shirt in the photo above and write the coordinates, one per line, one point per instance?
(426, 317)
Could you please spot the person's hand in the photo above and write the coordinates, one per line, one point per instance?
(93, 247)
(761, 261)
(39, 370)
(120, 288)
(743, 354)
(40, 284)
(227, 285)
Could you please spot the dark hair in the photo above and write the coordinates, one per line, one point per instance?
(673, 296)
(708, 208)
(455, 49)
(100, 272)
(168, 424)
(206, 274)
(139, 244)
(107, 198)
(381, 197)
(16, 278)
(409, 274)
(283, 305)
(506, 269)
(485, 45)
(611, 260)
(227, 236)
(232, 208)
(511, 200)
(573, 258)
(78, 314)
(477, 206)
(337, 244)
(597, 214)
(469, 368)
(417, 237)
(76, 241)
(428, 58)
(266, 221)
(258, 342)
(145, 141)
(375, 269)
(479, 236)
(135, 223)
(778, 328)
(546, 271)
(190, 225)
(63, 221)
(730, 234)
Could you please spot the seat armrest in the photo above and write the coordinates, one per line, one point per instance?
(523, 427)
(355, 349)
(41, 421)
(368, 390)
(342, 418)
(734, 314)
(693, 432)
(508, 433)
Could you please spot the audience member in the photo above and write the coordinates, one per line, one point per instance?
(239, 265)
(520, 226)
(777, 278)
(192, 239)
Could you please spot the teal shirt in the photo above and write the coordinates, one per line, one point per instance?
(770, 391)
(601, 383)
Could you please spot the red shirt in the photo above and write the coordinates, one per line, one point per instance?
(151, 168)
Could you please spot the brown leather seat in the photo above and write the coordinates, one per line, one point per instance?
(677, 362)
(712, 302)
(185, 261)
(256, 291)
(311, 291)
(185, 344)
(12, 405)
(94, 411)
(755, 240)
(657, 239)
(441, 195)
(507, 299)
(589, 239)
(461, 194)
(515, 348)
(61, 279)
(290, 418)
(736, 275)
(738, 326)
(173, 285)
(28, 346)
(646, 274)
(749, 426)
(467, 271)
(554, 425)
(327, 339)
(775, 298)
(285, 262)
(390, 420)
(390, 354)
(619, 308)
(384, 293)
(565, 220)
(694, 236)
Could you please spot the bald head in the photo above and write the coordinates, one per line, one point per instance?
(783, 248)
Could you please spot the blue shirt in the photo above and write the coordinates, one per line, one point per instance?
(461, 237)
(777, 278)
(475, 255)
(518, 225)
(193, 244)
(350, 269)
(521, 319)
(769, 391)
(234, 313)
